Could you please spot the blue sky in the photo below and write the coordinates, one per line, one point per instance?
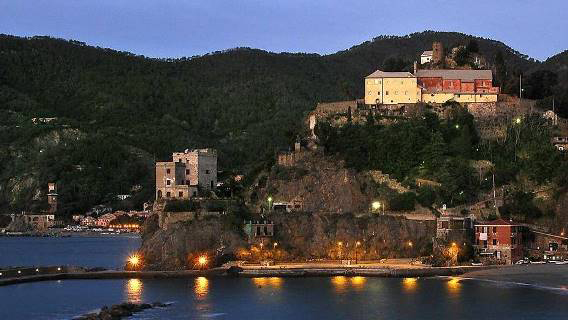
(176, 28)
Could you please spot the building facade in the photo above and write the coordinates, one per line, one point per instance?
(426, 57)
(464, 86)
(430, 86)
(200, 167)
(186, 174)
(499, 240)
(171, 181)
(391, 88)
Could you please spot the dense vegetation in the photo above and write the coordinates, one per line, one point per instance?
(117, 112)
(444, 150)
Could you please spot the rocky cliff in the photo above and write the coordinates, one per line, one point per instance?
(299, 237)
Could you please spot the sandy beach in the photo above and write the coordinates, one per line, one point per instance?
(537, 275)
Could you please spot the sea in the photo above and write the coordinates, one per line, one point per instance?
(255, 298)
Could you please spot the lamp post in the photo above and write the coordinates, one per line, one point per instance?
(269, 203)
(357, 244)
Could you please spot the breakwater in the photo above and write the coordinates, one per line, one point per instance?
(79, 273)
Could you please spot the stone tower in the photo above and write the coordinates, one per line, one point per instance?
(52, 197)
(437, 52)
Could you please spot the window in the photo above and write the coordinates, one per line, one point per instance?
(386, 93)
(379, 93)
(168, 182)
(168, 171)
(494, 229)
(168, 194)
(485, 243)
(181, 194)
(402, 82)
(369, 93)
(484, 229)
(494, 242)
(186, 171)
(207, 172)
(405, 93)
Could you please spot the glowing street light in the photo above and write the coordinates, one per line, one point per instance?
(518, 120)
(274, 245)
(134, 262)
(202, 261)
(410, 244)
(269, 199)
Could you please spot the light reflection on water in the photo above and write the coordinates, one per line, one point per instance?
(454, 286)
(201, 287)
(134, 288)
(342, 283)
(409, 284)
(274, 282)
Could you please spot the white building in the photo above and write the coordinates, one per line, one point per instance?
(426, 57)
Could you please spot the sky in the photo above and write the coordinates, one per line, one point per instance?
(178, 28)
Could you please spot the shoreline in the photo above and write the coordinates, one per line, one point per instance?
(249, 273)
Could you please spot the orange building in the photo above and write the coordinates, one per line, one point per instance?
(499, 240)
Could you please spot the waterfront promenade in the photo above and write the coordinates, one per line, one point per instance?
(395, 268)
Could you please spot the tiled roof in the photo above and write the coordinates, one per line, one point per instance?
(498, 222)
(385, 74)
(464, 75)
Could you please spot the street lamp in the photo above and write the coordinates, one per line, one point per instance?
(269, 203)
(357, 244)
(274, 245)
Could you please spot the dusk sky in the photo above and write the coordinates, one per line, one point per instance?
(176, 28)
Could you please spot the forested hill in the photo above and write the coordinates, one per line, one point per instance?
(118, 112)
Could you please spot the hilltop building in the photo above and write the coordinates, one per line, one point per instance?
(430, 86)
(426, 57)
(189, 172)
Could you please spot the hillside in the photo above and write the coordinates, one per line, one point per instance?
(118, 112)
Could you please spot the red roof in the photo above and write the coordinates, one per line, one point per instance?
(498, 222)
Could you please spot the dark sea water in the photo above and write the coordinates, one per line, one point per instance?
(287, 298)
(259, 298)
(104, 251)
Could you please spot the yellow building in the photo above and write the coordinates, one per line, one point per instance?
(391, 88)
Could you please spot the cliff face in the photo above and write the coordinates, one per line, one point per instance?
(177, 247)
(334, 236)
(320, 184)
(299, 237)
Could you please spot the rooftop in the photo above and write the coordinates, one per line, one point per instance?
(426, 53)
(464, 75)
(386, 74)
(498, 222)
